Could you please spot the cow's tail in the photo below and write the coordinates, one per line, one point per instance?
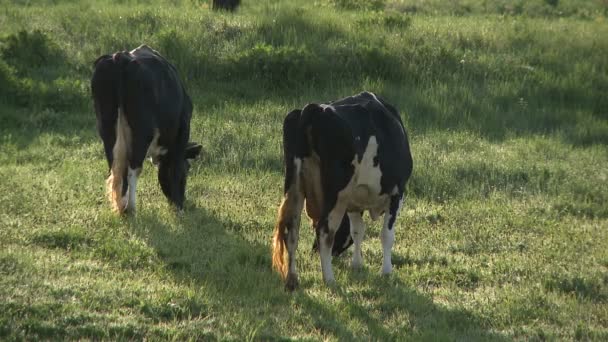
(289, 206)
(115, 182)
(278, 240)
(288, 217)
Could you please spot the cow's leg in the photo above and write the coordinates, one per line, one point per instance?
(164, 173)
(357, 232)
(388, 233)
(287, 229)
(293, 235)
(107, 131)
(139, 148)
(132, 180)
(291, 211)
(328, 226)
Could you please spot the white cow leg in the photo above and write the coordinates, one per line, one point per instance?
(357, 232)
(327, 231)
(132, 179)
(388, 233)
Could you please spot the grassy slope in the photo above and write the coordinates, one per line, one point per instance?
(505, 229)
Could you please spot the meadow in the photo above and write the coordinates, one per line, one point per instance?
(503, 235)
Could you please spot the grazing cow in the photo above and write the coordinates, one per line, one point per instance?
(142, 110)
(342, 159)
(229, 5)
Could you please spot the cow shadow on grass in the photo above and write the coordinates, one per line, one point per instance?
(211, 253)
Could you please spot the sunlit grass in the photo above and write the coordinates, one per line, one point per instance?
(503, 235)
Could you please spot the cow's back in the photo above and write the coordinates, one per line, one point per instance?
(378, 133)
(154, 86)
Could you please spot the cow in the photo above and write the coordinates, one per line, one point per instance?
(142, 110)
(229, 5)
(341, 159)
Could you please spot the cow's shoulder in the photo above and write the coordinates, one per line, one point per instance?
(145, 51)
(152, 60)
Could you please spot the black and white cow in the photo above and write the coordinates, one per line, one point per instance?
(341, 159)
(229, 5)
(142, 111)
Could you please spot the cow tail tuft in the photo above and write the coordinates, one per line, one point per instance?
(115, 187)
(278, 240)
(118, 172)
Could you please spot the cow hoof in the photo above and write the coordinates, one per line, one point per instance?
(357, 264)
(124, 206)
(331, 282)
(333, 286)
(386, 270)
(292, 282)
(121, 211)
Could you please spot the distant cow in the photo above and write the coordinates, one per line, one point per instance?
(142, 110)
(343, 158)
(229, 5)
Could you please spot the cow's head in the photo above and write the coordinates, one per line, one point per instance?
(172, 174)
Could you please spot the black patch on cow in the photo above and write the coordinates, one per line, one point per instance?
(290, 144)
(393, 207)
(228, 5)
(342, 239)
(125, 184)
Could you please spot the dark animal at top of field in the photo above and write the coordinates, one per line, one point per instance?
(341, 159)
(229, 5)
(142, 111)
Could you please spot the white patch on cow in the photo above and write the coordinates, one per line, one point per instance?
(395, 191)
(367, 174)
(132, 179)
(155, 151)
(357, 232)
(363, 190)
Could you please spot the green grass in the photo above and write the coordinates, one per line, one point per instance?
(504, 234)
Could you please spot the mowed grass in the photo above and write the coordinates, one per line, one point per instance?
(504, 233)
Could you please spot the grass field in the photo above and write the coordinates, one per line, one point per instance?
(504, 233)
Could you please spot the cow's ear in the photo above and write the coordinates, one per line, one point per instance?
(193, 150)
